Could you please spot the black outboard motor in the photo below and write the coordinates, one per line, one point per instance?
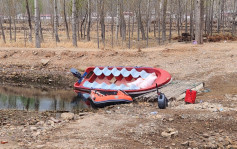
(75, 73)
(162, 100)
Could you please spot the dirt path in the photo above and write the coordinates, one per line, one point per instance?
(211, 123)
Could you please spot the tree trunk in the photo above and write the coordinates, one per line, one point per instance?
(155, 22)
(122, 22)
(164, 21)
(56, 21)
(199, 21)
(97, 24)
(102, 21)
(186, 16)
(84, 27)
(14, 22)
(159, 21)
(191, 20)
(89, 20)
(29, 21)
(41, 33)
(129, 37)
(133, 21)
(112, 26)
(219, 17)
(233, 20)
(79, 27)
(74, 30)
(147, 26)
(24, 31)
(211, 25)
(65, 19)
(178, 18)
(3, 34)
(171, 12)
(37, 27)
(10, 26)
(139, 18)
(117, 22)
(223, 16)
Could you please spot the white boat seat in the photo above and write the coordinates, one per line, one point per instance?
(116, 72)
(125, 72)
(97, 71)
(135, 73)
(101, 86)
(133, 87)
(144, 74)
(106, 71)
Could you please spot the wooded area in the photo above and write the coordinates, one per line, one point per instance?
(116, 23)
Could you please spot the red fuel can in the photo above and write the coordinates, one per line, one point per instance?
(190, 96)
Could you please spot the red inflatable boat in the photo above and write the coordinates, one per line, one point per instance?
(133, 80)
(100, 98)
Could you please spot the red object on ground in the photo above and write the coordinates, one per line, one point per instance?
(190, 96)
(4, 142)
(120, 96)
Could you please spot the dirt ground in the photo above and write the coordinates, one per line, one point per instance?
(210, 123)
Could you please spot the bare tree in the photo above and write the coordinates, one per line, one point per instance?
(234, 23)
(29, 20)
(199, 4)
(65, 19)
(139, 21)
(191, 19)
(117, 22)
(97, 24)
(171, 12)
(164, 21)
(37, 25)
(74, 28)
(122, 21)
(9, 3)
(129, 32)
(3, 34)
(186, 16)
(89, 20)
(147, 22)
(56, 21)
(102, 21)
(112, 24)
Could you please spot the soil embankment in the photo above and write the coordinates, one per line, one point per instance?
(210, 123)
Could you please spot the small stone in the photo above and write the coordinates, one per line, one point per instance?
(193, 143)
(108, 112)
(231, 147)
(174, 133)
(165, 134)
(33, 128)
(40, 146)
(205, 135)
(44, 62)
(171, 119)
(67, 116)
(55, 120)
(210, 145)
(186, 143)
(220, 139)
(82, 114)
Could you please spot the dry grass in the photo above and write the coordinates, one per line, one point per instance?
(219, 37)
(49, 41)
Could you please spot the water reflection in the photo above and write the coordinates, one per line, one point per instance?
(42, 100)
